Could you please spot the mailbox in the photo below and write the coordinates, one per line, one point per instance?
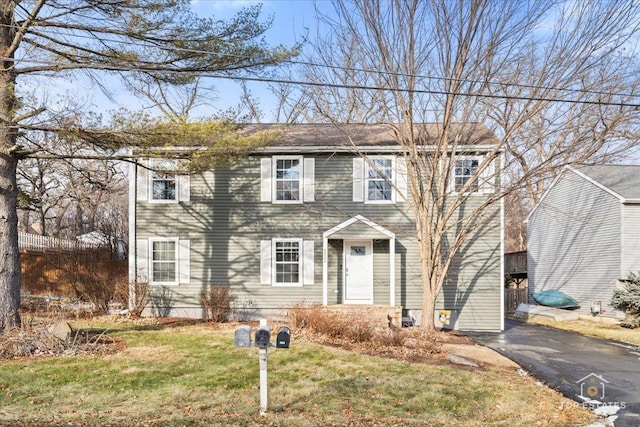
(243, 336)
(283, 337)
(263, 337)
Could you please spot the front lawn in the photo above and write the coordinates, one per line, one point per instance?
(190, 374)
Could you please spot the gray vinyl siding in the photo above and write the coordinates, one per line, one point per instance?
(381, 293)
(225, 222)
(574, 242)
(630, 240)
(473, 288)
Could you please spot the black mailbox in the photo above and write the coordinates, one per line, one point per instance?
(263, 337)
(243, 336)
(283, 338)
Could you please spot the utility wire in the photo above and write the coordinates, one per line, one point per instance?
(380, 88)
(362, 70)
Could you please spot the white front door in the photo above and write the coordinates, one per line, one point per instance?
(358, 272)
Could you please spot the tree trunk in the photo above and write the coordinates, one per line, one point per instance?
(9, 254)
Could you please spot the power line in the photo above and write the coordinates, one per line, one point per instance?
(386, 73)
(375, 88)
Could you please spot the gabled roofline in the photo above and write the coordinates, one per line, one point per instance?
(587, 178)
(355, 219)
(544, 196)
(597, 184)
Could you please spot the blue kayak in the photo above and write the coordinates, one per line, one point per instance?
(554, 298)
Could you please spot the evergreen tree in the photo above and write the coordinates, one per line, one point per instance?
(627, 299)
(160, 40)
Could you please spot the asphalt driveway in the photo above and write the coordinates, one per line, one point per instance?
(600, 370)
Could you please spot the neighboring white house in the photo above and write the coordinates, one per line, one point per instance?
(98, 238)
(583, 236)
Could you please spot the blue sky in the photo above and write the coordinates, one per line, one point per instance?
(291, 19)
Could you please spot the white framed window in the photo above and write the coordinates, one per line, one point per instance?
(163, 186)
(158, 182)
(163, 260)
(465, 170)
(287, 262)
(287, 179)
(378, 178)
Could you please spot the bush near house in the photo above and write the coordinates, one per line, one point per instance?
(627, 299)
(216, 303)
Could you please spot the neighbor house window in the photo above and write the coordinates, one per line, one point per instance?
(379, 176)
(164, 261)
(287, 179)
(465, 169)
(287, 268)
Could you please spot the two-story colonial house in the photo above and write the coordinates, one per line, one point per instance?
(323, 216)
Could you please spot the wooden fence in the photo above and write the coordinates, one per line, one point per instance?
(50, 266)
(514, 297)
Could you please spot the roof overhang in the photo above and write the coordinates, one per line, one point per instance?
(340, 230)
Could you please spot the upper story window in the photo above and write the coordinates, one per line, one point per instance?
(287, 179)
(379, 177)
(158, 181)
(163, 186)
(465, 169)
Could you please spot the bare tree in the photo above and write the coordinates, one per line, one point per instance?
(160, 39)
(406, 62)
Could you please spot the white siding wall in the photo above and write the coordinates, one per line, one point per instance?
(574, 239)
(630, 239)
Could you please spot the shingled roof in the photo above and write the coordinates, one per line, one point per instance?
(624, 180)
(368, 135)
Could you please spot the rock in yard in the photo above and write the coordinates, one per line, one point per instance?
(460, 360)
(60, 330)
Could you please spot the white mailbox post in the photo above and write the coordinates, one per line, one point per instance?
(262, 340)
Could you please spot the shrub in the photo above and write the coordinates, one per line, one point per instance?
(141, 295)
(216, 303)
(93, 277)
(627, 299)
(331, 324)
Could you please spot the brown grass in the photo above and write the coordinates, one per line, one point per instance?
(358, 334)
(594, 328)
